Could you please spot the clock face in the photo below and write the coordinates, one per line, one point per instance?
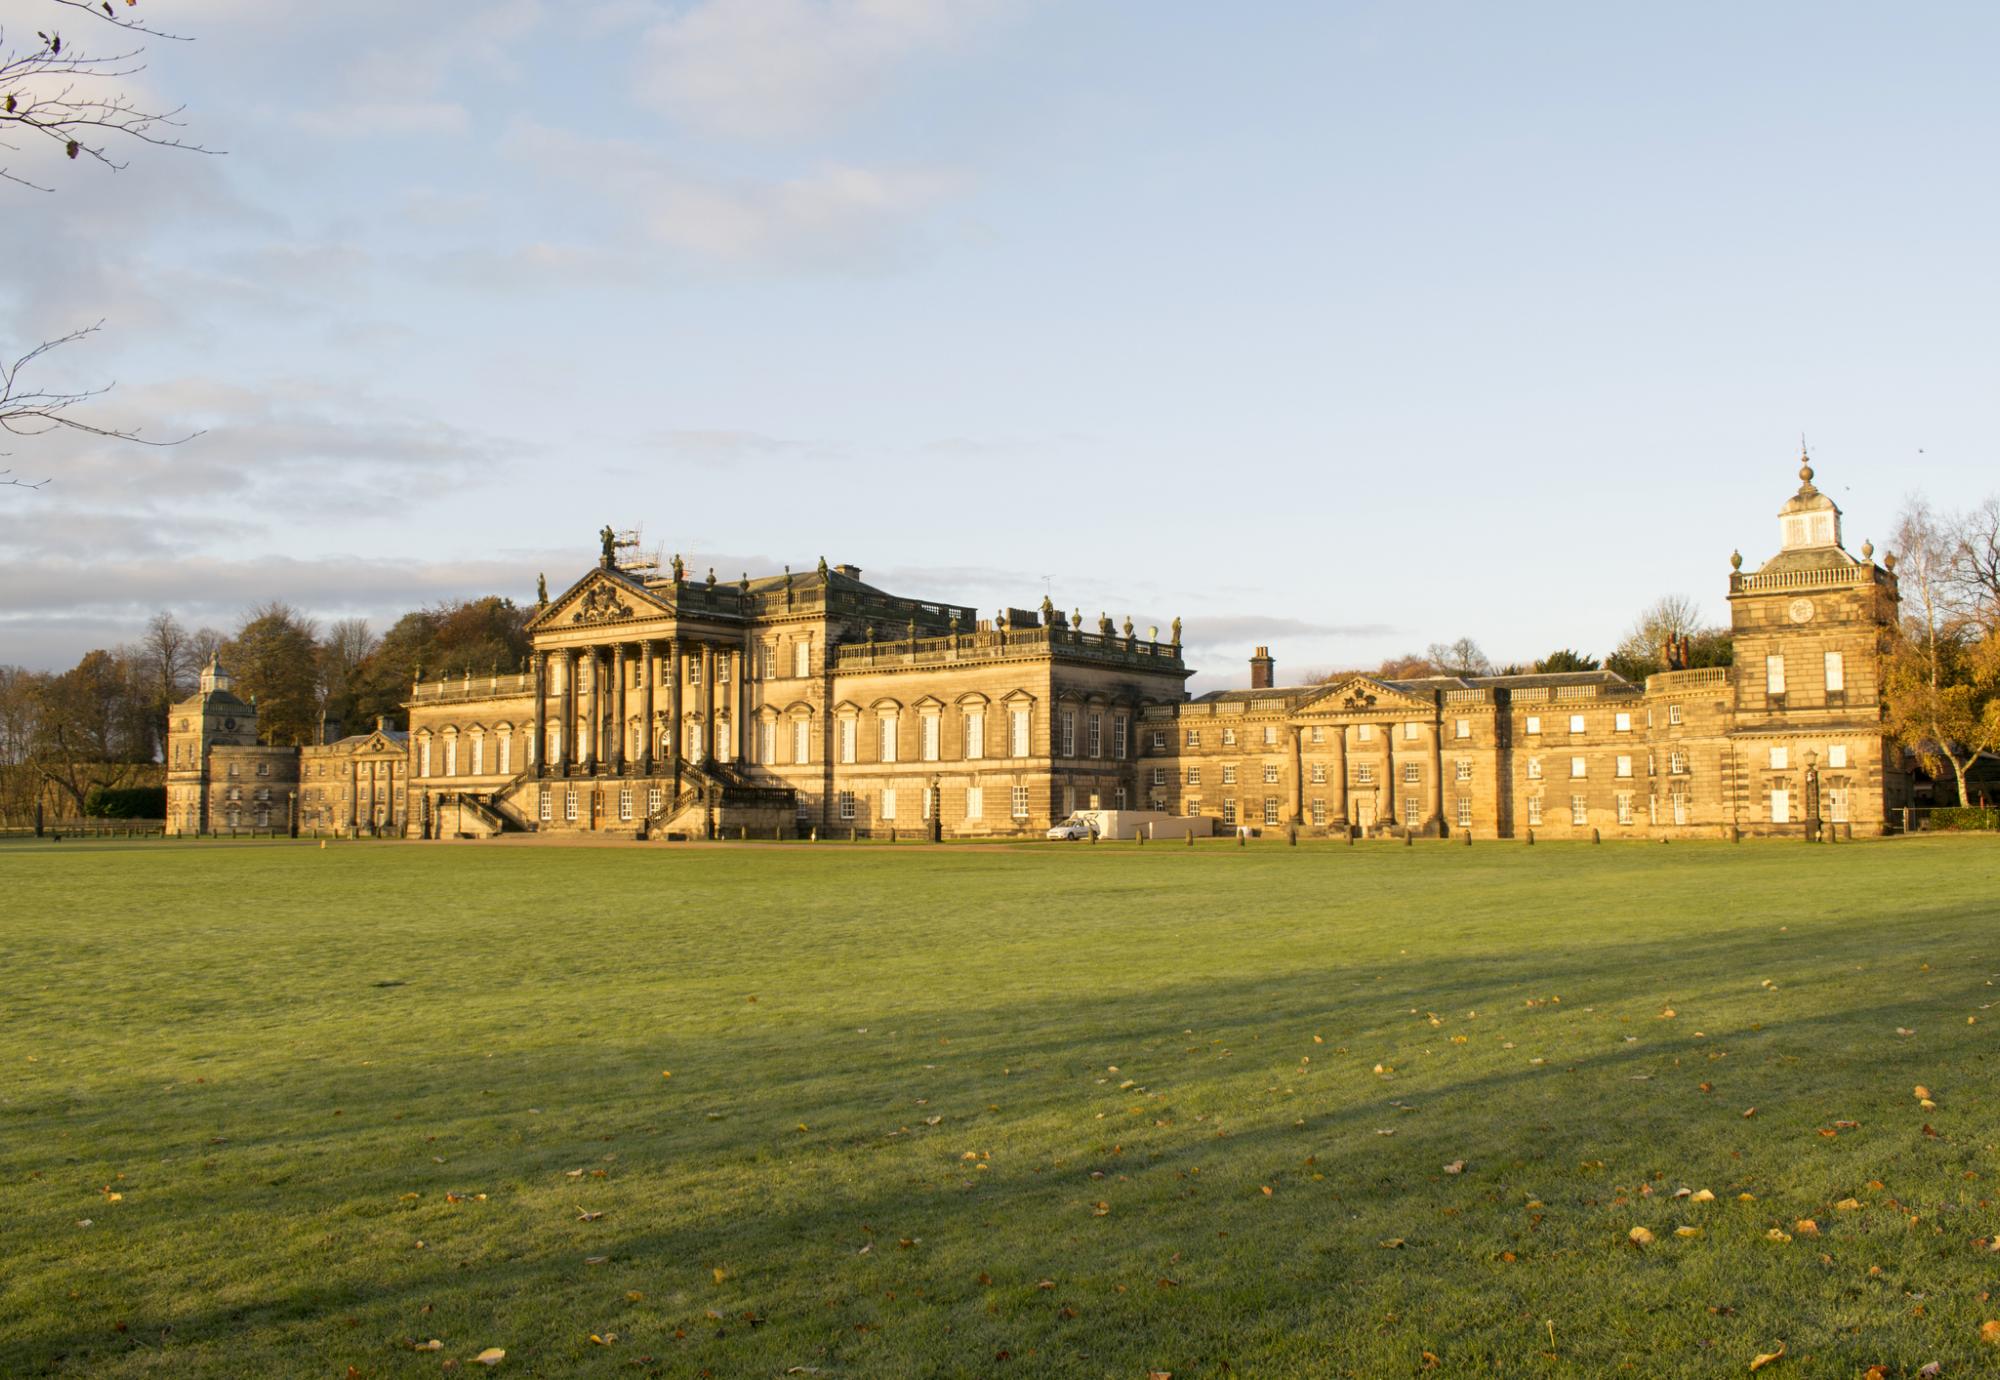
(1801, 610)
(231, 723)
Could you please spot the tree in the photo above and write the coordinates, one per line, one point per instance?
(343, 653)
(1972, 576)
(59, 94)
(91, 726)
(1460, 658)
(1408, 666)
(479, 636)
(1566, 659)
(164, 660)
(274, 658)
(1672, 621)
(1941, 677)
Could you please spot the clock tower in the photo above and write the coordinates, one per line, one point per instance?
(213, 717)
(1808, 627)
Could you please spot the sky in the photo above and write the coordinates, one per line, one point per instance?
(1343, 327)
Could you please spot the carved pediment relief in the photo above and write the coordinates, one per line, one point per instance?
(1360, 694)
(600, 604)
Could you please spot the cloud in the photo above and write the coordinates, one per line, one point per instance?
(762, 69)
(833, 218)
(371, 119)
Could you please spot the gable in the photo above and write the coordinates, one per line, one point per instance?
(1360, 694)
(602, 596)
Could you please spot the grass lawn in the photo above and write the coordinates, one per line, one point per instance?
(271, 1109)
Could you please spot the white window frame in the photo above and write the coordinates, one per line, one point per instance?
(975, 802)
(1020, 733)
(1577, 724)
(933, 734)
(1836, 674)
(1579, 768)
(975, 734)
(1534, 810)
(802, 651)
(1534, 724)
(850, 733)
(1623, 768)
(886, 744)
(1836, 756)
(889, 803)
(1621, 722)
(1781, 758)
(801, 741)
(1019, 802)
(1774, 674)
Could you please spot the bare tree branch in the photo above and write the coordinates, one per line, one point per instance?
(33, 411)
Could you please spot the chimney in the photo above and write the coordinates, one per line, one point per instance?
(852, 572)
(1262, 669)
(381, 723)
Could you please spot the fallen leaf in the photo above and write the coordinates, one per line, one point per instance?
(1806, 1226)
(1920, 1092)
(584, 1215)
(1394, 1243)
(1989, 1331)
(1774, 1234)
(1455, 1167)
(1749, 1112)
(1701, 1195)
(606, 1340)
(1687, 1231)
(1765, 1358)
(432, 1345)
(1934, 1368)
(1045, 1284)
(1848, 1205)
(719, 1273)
(492, 1356)
(1639, 1236)
(596, 1259)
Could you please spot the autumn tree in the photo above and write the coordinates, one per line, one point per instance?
(1671, 620)
(1941, 676)
(1460, 658)
(275, 660)
(91, 727)
(479, 636)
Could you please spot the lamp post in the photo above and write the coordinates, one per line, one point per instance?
(292, 813)
(937, 809)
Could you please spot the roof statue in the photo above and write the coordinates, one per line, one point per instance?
(822, 567)
(680, 570)
(609, 540)
(1177, 631)
(541, 589)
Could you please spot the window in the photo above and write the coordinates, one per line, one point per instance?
(888, 738)
(1624, 807)
(1121, 737)
(1194, 737)
(569, 805)
(1270, 735)
(1019, 746)
(624, 802)
(849, 731)
(1318, 813)
(1094, 736)
(1465, 812)
(1677, 762)
(451, 757)
(802, 657)
(1066, 733)
(1412, 774)
(1159, 776)
(1624, 767)
(1576, 723)
(1229, 737)
(924, 809)
(1534, 810)
(846, 802)
(1534, 768)
(1781, 758)
(1621, 723)
(694, 669)
(1673, 713)
(1836, 755)
(975, 802)
(889, 802)
(1774, 675)
(1229, 812)
(1412, 813)
(506, 753)
(479, 754)
(1579, 810)
(1020, 805)
(1836, 674)
(1411, 732)
(1364, 733)
(767, 741)
(1781, 807)
(1464, 772)
(1364, 773)
(1679, 801)
(1319, 773)
(1159, 740)
(1576, 767)
(423, 759)
(933, 734)
(1534, 723)
(767, 663)
(1194, 807)
(1229, 776)
(1270, 772)
(975, 734)
(1194, 775)
(1461, 728)
(263, 769)
(654, 797)
(1836, 804)
(1270, 809)
(1318, 733)
(801, 741)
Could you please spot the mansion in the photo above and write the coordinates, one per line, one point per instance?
(786, 705)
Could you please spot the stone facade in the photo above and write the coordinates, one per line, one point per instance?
(659, 705)
(219, 778)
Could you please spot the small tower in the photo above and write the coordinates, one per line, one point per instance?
(212, 717)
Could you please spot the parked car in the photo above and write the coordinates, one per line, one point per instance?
(1072, 829)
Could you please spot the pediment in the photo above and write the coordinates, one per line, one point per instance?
(1359, 695)
(600, 597)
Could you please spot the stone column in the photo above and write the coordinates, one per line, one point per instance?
(1298, 777)
(1437, 776)
(1340, 814)
(540, 748)
(648, 668)
(1389, 773)
(586, 689)
(739, 699)
(618, 710)
(707, 703)
(566, 729)
(354, 796)
(675, 675)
